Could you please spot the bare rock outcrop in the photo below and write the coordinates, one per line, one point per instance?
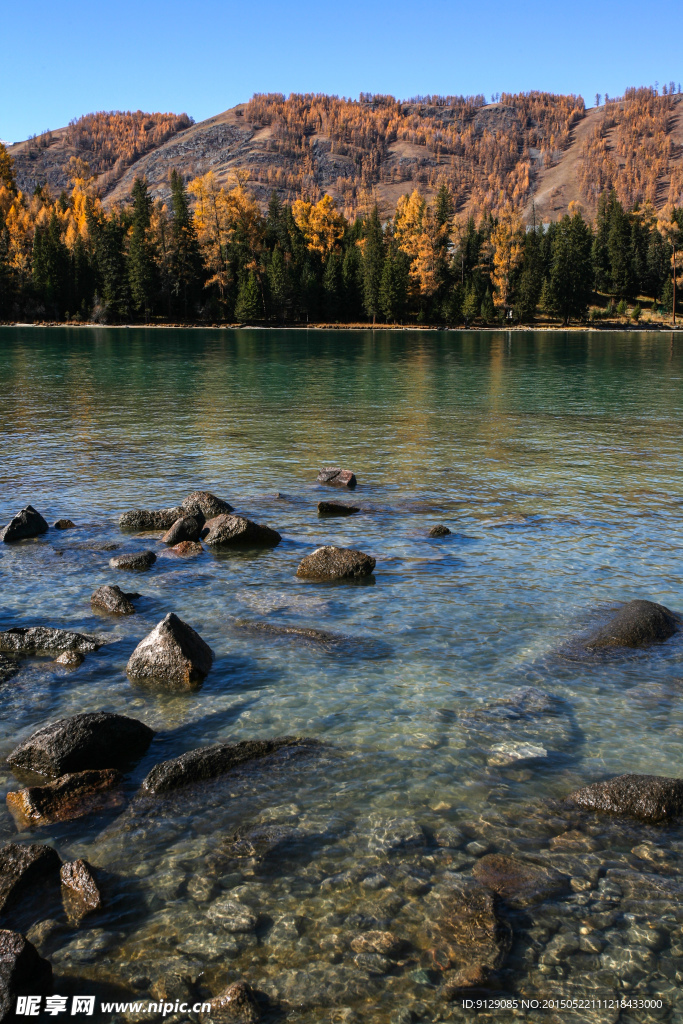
(113, 600)
(331, 563)
(28, 640)
(136, 561)
(70, 796)
(23, 972)
(25, 524)
(635, 624)
(236, 531)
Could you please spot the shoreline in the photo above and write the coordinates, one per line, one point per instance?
(609, 326)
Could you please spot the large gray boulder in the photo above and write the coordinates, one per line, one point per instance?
(113, 600)
(28, 640)
(87, 741)
(185, 528)
(202, 503)
(136, 561)
(649, 798)
(206, 763)
(337, 477)
(27, 523)
(23, 972)
(236, 531)
(636, 624)
(68, 797)
(331, 563)
(172, 655)
(24, 867)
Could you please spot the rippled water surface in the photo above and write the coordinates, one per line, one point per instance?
(554, 459)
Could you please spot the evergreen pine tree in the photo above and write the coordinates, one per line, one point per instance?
(393, 297)
(51, 267)
(373, 261)
(249, 306)
(332, 287)
(352, 280)
(571, 273)
(185, 257)
(470, 305)
(487, 311)
(279, 286)
(142, 273)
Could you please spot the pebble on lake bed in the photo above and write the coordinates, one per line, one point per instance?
(172, 655)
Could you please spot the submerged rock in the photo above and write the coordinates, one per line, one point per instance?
(336, 508)
(206, 763)
(113, 600)
(232, 916)
(236, 1005)
(27, 523)
(186, 549)
(23, 972)
(136, 561)
(8, 668)
(636, 624)
(92, 740)
(173, 654)
(23, 867)
(320, 636)
(29, 640)
(519, 882)
(258, 842)
(470, 938)
(71, 659)
(526, 724)
(439, 531)
(337, 477)
(64, 524)
(649, 798)
(80, 892)
(139, 519)
(205, 504)
(236, 531)
(184, 529)
(331, 563)
(68, 797)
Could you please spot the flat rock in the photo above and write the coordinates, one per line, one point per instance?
(236, 1005)
(22, 867)
(204, 504)
(64, 524)
(636, 624)
(337, 477)
(470, 938)
(519, 882)
(136, 561)
(29, 640)
(649, 798)
(23, 972)
(206, 763)
(79, 888)
(93, 740)
(172, 655)
(236, 531)
(27, 523)
(113, 600)
(439, 531)
(186, 549)
(68, 797)
(139, 519)
(336, 508)
(184, 529)
(331, 563)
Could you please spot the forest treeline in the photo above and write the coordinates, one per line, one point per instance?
(213, 255)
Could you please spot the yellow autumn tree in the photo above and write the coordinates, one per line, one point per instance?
(321, 224)
(416, 233)
(507, 252)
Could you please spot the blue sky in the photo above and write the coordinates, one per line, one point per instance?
(59, 61)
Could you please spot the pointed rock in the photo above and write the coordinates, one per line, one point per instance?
(92, 740)
(330, 563)
(22, 867)
(336, 508)
(80, 892)
(206, 763)
(137, 561)
(22, 972)
(236, 1005)
(27, 523)
(113, 600)
(68, 797)
(172, 655)
(650, 798)
(45, 640)
(337, 477)
(202, 503)
(236, 531)
(636, 624)
(187, 528)
(71, 659)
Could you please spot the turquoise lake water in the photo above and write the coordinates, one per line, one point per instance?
(555, 460)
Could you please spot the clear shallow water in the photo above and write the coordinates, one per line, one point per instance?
(553, 458)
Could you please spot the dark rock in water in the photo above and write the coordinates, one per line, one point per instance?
(71, 659)
(232, 916)
(260, 841)
(113, 600)
(470, 938)
(173, 655)
(202, 503)
(139, 519)
(649, 798)
(80, 892)
(335, 508)
(136, 561)
(636, 624)
(23, 972)
(337, 477)
(236, 1005)
(186, 549)
(64, 524)
(29, 640)
(206, 763)
(92, 740)
(27, 523)
(519, 882)
(8, 668)
(236, 531)
(439, 531)
(68, 797)
(331, 563)
(22, 867)
(187, 528)
(320, 636)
